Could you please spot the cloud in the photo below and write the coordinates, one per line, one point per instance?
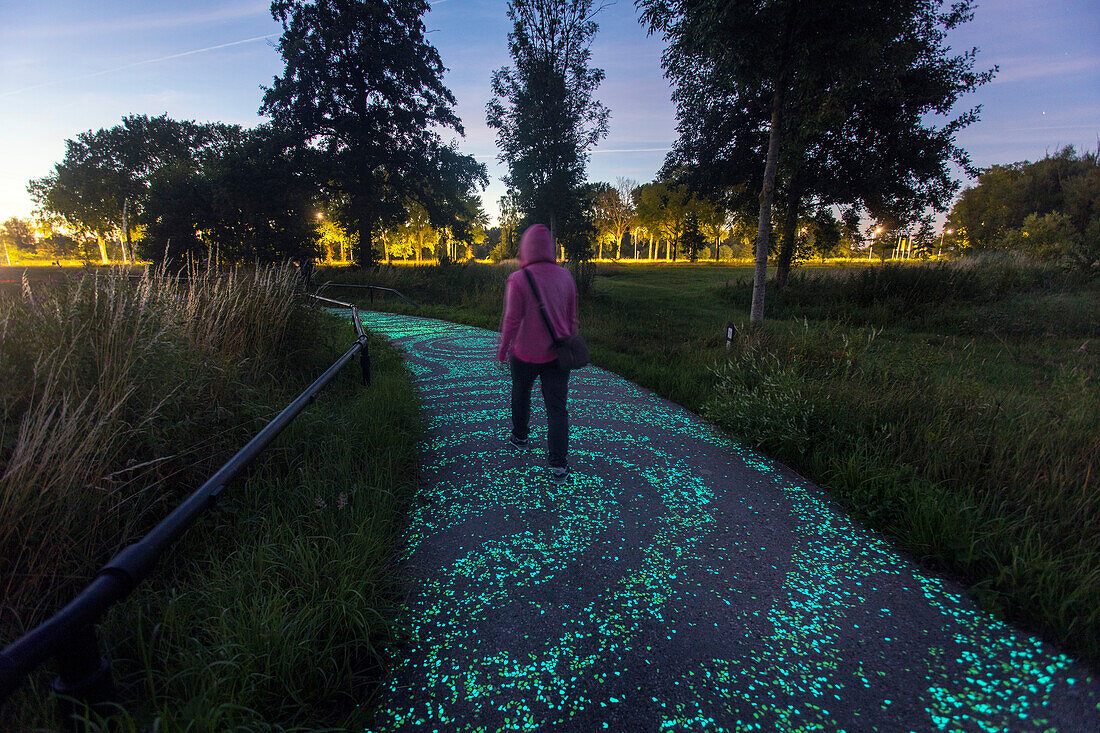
(136, 23)
(1028, 68)
(633, 150)
(145, 62)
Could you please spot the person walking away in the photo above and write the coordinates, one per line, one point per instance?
(527, 345)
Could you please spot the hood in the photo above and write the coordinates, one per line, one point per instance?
(536, 246)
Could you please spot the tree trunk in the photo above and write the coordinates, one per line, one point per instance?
(102, 248)
(763, 224)
(364, 254)
(128, 248)
(790, 234)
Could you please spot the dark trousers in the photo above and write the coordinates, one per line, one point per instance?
(555, 390)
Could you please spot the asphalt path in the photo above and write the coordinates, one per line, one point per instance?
(676, 582)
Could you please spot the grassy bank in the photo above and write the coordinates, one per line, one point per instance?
(272, 612)
(954, 407)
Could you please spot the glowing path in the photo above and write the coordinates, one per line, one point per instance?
(678, 582)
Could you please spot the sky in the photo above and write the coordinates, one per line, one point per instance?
(68, 66)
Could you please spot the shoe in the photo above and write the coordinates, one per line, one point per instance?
(516, 442)
(559, 474)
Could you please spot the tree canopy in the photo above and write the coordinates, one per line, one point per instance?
(363, 91)
(249, 202)
(546, 116)
(1049, 208)
(101, 185)
(832, 96)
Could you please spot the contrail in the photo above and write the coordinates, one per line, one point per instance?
(135, 64)
(595, 152)
(631, 150)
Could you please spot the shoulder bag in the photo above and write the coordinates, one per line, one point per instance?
(572, 351)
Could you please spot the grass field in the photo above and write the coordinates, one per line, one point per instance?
(274, 610)
(954, 407)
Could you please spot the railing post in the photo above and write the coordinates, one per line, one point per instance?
(84, 679)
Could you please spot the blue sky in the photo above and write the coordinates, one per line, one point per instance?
(67, 67)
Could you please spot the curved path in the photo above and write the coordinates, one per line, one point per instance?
(677, 582)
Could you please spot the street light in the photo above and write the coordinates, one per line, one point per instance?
(871, 246)
(944, 232)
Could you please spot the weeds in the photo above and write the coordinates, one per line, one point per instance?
(998, 487)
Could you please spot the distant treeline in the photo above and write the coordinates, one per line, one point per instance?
(156, 188)
(1049, 209)
(153, 188)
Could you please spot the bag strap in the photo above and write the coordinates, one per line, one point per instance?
(542, 306)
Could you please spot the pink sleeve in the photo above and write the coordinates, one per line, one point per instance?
(509, 323)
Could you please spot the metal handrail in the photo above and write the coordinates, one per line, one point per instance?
(372, 288)
(69, 635)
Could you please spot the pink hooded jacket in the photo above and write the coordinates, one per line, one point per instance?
(522, 330)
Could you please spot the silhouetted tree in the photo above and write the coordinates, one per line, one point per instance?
(692, 240)
(844, 86)
(101, 185)
(251, 201)
(546, 117)
(364, 89)
(19, 234)
(1004, 196)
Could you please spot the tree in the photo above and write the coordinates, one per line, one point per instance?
(678, 205)
(61, 246)
(102, 184)
(614, 212)
(834, 97)
(261, 201)
(991, 214)
(649, 213)
(469, 229)
(692, 241)
(245, 200)
(822, 232)
(510, 221)
(545, 115)
(419, 231)
(333, 241)
(492, 241)
(17, 234)
(364, 89)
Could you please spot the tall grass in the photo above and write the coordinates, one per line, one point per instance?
(110, 389)
(1000, 487)
(274, 611)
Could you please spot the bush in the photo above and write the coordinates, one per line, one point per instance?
(999, 487)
